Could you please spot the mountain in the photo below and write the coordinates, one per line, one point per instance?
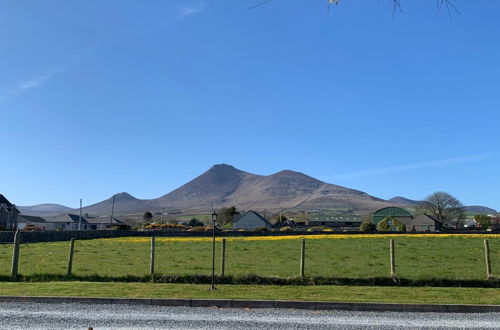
(124, 204)
(43, 209)
(224, 185)
(403, 201)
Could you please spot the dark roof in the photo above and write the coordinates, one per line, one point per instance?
(5, 201)
(29, 218)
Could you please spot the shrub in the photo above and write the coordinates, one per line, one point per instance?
(285, 229)
(391, 224)
(121, 227)
(261, 229)
(316, 228)
(367, 226)
(195, 223)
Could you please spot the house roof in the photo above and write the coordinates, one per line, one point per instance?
(255, 214)
(66, 217)
(428, 216)
(29, 218)
(4, 201)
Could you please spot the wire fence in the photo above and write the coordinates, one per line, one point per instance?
(414, 258)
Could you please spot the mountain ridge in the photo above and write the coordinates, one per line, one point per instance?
(224, 185)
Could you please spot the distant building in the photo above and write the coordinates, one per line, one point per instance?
(69, 221)
(251, 220)
(340, 221)
(421, 222)
(401, 214)
(30, 220)
(8, 214)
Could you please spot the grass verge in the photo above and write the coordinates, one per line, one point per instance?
(267, 292)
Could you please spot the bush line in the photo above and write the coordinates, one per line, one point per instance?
(260, 280)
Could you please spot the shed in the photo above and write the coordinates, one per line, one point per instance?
(401, 214)
(251, 220)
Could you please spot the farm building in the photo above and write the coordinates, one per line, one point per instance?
(8, 214)
(397, 212)
(336, 221)
(251, 220)
(421, 222)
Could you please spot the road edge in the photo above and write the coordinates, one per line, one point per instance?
(240, 303)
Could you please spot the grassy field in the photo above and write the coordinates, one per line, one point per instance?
(261, 292)
(416, 257)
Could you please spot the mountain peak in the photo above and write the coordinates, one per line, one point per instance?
(223, 167)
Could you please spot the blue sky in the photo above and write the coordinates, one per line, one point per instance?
(99, 97)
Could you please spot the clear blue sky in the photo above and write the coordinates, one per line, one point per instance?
(99, 97)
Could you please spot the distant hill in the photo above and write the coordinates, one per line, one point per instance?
(412, 203)
(480, 209)
(224, 185)
(43, 209)
(402, 200)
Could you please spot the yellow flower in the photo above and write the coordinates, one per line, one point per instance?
(295, 237)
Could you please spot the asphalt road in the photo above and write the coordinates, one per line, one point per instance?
(83, 316)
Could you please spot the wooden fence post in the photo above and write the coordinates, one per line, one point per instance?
(152, 265)
(15, 255)
(70, 257)
(302, 256)
(487, 258)
(223, 258)
(393, 259)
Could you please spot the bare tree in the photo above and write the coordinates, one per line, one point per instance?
(448, 4)
(443, 207)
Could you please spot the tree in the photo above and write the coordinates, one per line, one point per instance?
(396, 4)
(226, 215)
(483, 220)
(195, 223)
(279, 218)
(367, 226)
(147, 216)
(443, 207)
(391, 224)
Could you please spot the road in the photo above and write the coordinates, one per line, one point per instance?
(83, 316)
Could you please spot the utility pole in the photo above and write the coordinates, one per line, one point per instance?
(112, 211)
(80, 218)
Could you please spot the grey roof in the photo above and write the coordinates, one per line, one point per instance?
(66, 217)
(29, 218)
(254, 214)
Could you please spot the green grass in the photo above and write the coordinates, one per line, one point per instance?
(419, 258)
(265, 292)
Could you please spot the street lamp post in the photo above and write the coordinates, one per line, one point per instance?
(214, 219)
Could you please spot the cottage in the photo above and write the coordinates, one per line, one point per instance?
(67, 221)
(8, 214)
(251, 220)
